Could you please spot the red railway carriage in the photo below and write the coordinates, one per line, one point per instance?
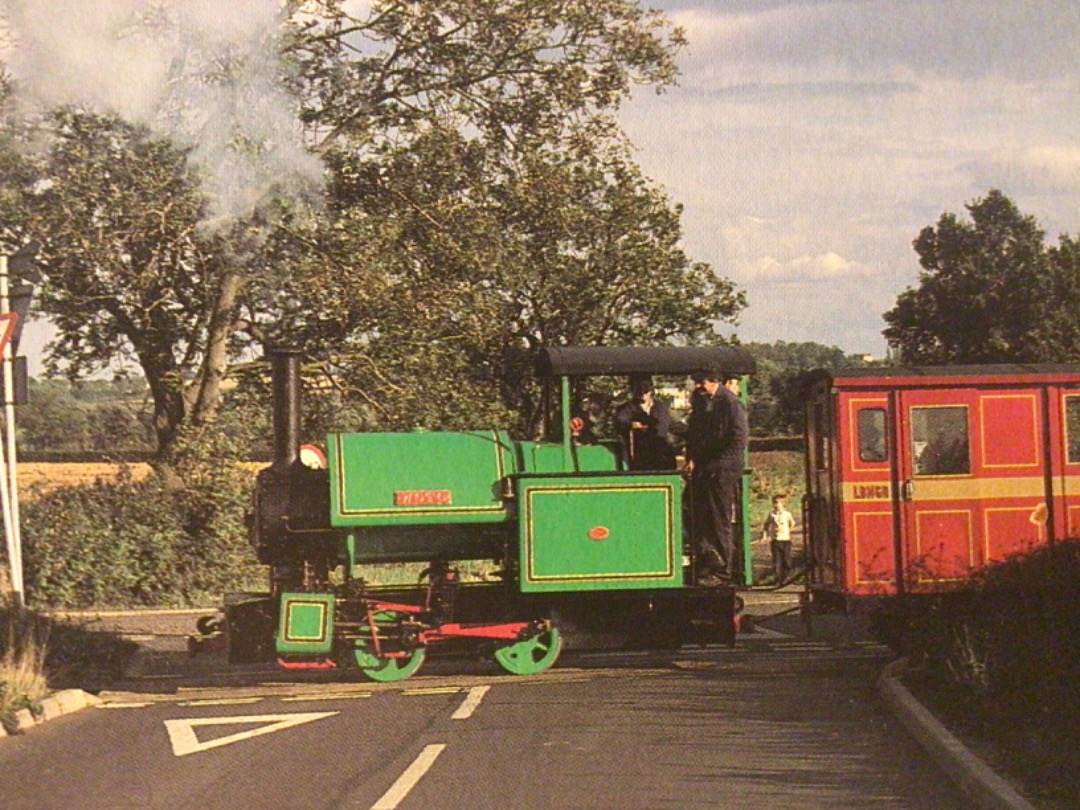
(918, 476)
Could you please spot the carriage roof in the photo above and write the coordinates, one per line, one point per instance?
(1002, 373)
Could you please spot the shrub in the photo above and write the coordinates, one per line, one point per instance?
(152, 542)
(22, 661)
(1001, 658)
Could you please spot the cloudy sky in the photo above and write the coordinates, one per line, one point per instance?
(811, 140)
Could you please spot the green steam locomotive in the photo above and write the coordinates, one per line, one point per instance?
(579, 546)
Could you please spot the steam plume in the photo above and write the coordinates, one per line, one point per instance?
(204, 72)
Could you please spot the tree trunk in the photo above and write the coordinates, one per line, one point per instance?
(205, 394)
(167, 389)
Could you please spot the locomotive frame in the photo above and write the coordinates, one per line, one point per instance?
(588, 549)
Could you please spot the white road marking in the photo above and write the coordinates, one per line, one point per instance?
(432, 690)
(343, 696)
(184, 741)
(125, 705)
(472, 700)
(219, 702)
(407, 781)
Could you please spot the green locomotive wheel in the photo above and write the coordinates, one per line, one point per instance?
(387, 670)
(383, 669)
(531, 655)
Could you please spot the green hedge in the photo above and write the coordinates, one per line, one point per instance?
(128, 543)
(1000, 659)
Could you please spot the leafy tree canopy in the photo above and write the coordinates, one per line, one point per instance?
(777, 391)
(129, 275)
(990, 291)
(481, 202)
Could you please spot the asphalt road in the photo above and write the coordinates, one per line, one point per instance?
(778, 722)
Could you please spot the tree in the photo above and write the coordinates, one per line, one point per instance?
(129, 274)
(485, 204)
(451, 267)
(99, 417)
(506, 69)
(990, 292)
(481, 203)
(777, 393)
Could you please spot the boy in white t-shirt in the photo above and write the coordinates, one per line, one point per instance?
(778, 526)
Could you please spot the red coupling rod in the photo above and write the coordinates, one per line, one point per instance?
(500, 632)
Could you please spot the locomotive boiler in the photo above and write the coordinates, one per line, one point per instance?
(579, 546)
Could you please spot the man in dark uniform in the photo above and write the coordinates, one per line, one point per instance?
(644, 425)
(716, 440)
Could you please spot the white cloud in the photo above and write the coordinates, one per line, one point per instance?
(805, 269)
(810, 142)
(1049, 169)
(1023, 40)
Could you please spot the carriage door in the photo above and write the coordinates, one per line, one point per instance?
(973, 479)
(868, 491)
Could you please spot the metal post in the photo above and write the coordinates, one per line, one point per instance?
(745, 529)
(8, 478)
(567, 439)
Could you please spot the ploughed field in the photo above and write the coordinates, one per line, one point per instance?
(39, 477)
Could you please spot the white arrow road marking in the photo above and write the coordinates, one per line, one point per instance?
(184, 741)
(468, 706)
(407, 781)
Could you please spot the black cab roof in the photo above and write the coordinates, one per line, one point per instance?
(571, 361)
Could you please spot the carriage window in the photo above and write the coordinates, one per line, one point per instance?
(871, 426)
(939, 441)
(1072, 428)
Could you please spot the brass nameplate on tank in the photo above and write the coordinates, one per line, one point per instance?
(423, 497)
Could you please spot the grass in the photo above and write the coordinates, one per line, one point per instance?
(775, 472)
(39, 654)
(22, 668)
(22, 660)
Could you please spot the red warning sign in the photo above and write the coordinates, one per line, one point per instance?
(7, 326)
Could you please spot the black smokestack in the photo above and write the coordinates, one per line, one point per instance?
(285, 378)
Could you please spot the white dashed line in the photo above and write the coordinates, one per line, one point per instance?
(472, 700)
(407, 781)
